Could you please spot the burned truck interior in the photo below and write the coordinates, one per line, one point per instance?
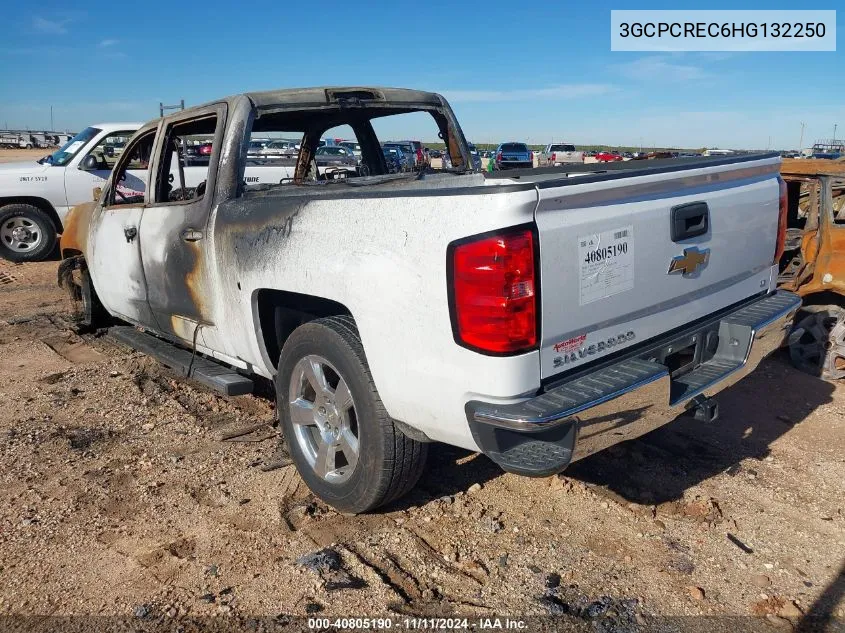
(367, 122)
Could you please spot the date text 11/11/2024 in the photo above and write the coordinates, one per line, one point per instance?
(423, 624)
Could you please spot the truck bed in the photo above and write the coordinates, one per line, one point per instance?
(592, 172)
(513, 179)
(595, 299)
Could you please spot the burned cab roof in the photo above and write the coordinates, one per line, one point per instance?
(331, 95)
(388, 100)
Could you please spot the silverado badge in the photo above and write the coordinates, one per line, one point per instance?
(690, 261)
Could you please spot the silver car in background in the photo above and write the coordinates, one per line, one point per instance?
(256, 146)
(555, 154)
(335, 161)
(354, 147)
(279, 149)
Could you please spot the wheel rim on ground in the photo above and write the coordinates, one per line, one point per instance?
(20, 234)
(820, 350)
(324, 419)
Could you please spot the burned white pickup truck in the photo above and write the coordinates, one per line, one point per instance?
(536, 315)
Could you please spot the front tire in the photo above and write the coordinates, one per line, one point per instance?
(27, 234)
(344, 444)
(94, 314)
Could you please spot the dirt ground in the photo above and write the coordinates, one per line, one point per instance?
(118, 496)
(13, 155)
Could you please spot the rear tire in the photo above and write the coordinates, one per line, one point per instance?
(820, 350)
(344, 444)
(27, 234)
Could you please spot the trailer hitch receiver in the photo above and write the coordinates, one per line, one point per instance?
(704, 409)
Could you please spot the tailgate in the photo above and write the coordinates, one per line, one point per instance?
(611, 274)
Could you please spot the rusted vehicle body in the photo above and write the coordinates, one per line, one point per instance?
(813, 263)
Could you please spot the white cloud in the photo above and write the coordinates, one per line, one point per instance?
(38, 51)
(716, 56)
(107, 43)
(660, 68)
(562, 91)
(52, 27)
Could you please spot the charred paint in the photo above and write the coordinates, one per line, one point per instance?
(248, 229)
(179, 288)
(76, 224)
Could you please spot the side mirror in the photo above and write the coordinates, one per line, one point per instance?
(97, 192)
(90, 163)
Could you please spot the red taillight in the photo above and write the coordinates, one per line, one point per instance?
(495, 293)
(499, 157)
(419, 155)
(205, 149)
(784, 204)
(554, 157)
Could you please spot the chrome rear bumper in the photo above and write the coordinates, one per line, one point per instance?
(626, 399)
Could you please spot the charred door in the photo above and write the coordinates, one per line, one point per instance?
(173, 231)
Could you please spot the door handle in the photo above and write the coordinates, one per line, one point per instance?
(191, 235)
(130, 232)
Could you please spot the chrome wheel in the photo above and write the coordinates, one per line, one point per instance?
(324, 418)
(20, 234)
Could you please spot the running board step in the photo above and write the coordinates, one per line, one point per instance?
(219, 377)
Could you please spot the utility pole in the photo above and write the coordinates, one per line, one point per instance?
(834, 132)
(178, 106)
(801, 140)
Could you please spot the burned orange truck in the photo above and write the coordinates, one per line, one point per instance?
(813, 263)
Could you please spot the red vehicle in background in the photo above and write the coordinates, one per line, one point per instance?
(422, 157)
(608, 157)
(198, 154)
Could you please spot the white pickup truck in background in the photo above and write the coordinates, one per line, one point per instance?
(35, 196)
(555, 154)
(535, 316)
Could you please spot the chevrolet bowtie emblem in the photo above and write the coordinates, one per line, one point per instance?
(690, 261)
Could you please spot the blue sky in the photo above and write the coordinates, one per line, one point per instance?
(536, 71)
